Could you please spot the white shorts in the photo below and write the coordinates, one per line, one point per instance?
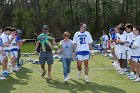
(129, 54)
(14, 54)
(136, 59)
(83, 57)
(121, 55)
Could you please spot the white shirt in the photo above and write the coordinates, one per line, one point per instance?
(136, 46)
(104, 39)
(5, 39)
(129, 37)
(82, 39)
(121, 47)
(13, 43)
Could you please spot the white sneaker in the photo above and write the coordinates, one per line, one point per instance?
(86, 80)
(2, 78)
(66, 79)
(135, 77)
(118, 68)
(79, 74)
(122, 73)
(68, 76)
(15, 69)
(137, 80)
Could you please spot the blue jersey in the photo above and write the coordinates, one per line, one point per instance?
(18, 38)
(113, 36)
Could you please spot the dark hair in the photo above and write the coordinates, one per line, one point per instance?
(128, 25)
(8, 28)
(121, 28)
(137, 28)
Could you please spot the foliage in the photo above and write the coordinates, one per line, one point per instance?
(65, 15)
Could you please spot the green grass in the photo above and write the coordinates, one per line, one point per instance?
(106, 80)
(28, 48)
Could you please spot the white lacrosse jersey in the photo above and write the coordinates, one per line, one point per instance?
(136, 48)
(13, 43)
(82, 39)
(5, 39)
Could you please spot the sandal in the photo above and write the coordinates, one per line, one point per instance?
(43, 74)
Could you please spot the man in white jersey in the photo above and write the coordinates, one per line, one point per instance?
(6, 45)
(13, 49)
(121, 54)
(135, 46)
(83, 43)
(104, 43)
(2, 53)
(129, 37)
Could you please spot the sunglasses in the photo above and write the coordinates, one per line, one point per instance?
(45, 29)
(66, 35)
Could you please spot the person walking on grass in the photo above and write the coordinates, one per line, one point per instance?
(46, 40)
(66, 52)
(83, 44)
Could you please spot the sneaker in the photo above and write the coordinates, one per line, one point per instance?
(135, 77)
(15, 70)
(68, 76)
(137, 80)
(2, 78)
(66, 79)
(79, 74)
(5, 74)
(86, 80)
(122, 73)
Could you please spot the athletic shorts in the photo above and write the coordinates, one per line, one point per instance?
(46, 57)
(83, 57)
(121, 55)
(129, 54)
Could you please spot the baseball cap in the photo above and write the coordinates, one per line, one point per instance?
(19, 32)
(45, 27)
(111, 29)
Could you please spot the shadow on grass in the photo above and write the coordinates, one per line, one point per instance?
(76, 87)
(9, 84)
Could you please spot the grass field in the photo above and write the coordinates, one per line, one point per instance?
(103, 77)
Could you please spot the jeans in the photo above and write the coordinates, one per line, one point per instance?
(66, 66)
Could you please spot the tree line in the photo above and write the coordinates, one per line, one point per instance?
(65, 15)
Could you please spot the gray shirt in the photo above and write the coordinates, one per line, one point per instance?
(67, 48)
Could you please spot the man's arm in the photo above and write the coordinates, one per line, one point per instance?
(75, 46)
(36, 46)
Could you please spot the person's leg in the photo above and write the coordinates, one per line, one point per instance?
(79, 65)
(13, 58)
(42, 64)
(49, 60)
(5, 61)
(69, 65)
(86, 66)
(18, 58)
(49, 71)
(64, 62)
